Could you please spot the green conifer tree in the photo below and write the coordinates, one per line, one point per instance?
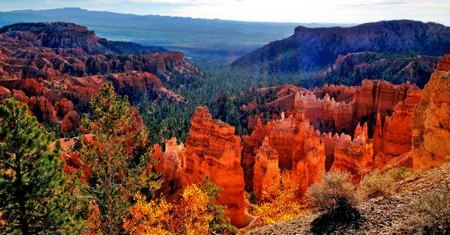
(117, 158)
(31, 179)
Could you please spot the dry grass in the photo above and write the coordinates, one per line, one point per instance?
(434, 208)
(333, 188)
(334, 196)
(385, 184)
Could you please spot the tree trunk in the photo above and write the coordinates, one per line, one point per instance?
(20, 195)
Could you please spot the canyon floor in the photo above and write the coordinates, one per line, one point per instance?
(392, 215)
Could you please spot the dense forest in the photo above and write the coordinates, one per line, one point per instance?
(223, 89)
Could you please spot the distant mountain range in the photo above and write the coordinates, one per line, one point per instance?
(194, 36)
(385, 49)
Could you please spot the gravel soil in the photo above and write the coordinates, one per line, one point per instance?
(393, 215)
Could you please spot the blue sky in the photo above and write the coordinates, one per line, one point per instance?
(337, 11)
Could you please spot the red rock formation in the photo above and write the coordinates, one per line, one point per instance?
(43, 109)
(444, 64)
(253, 122)
(213, 150)
(4, 92)
(340, 93)
(378, 96)
(158, 157)
(266, 172)
(137, 84)
(431, 123)
(50, 101)
(396, 136)
(174, 162)
(56, 67)
(352, 156)
(340, 108)
(20, 96)
(299, 149)
(308, 158)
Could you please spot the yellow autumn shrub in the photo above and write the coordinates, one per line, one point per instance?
(195, 213)
(283, 205)
(149, 217)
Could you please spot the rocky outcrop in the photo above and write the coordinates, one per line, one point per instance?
(368, 127)
(324, 113)
(340, 93)
(431, 122)
(444, 64)
(63, 107)
(309, 156)
(70, 121)
(213, 151)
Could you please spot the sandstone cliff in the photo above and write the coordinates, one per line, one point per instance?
(431, 122)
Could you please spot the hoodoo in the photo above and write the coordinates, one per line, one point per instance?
(213, 151)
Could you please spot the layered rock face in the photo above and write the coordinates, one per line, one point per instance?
(395, 136)
(378, 97)
(213, 151)
(431, 122)
(68, 35)
(325, 113)
(23, 59)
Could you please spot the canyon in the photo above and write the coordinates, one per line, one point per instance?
(373, 126)
(56, 68)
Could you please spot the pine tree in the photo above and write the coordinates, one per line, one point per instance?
(31, 178)
(117, 157)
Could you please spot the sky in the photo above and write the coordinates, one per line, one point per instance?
(298, 11)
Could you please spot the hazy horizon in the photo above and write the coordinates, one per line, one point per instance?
(282, 11)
